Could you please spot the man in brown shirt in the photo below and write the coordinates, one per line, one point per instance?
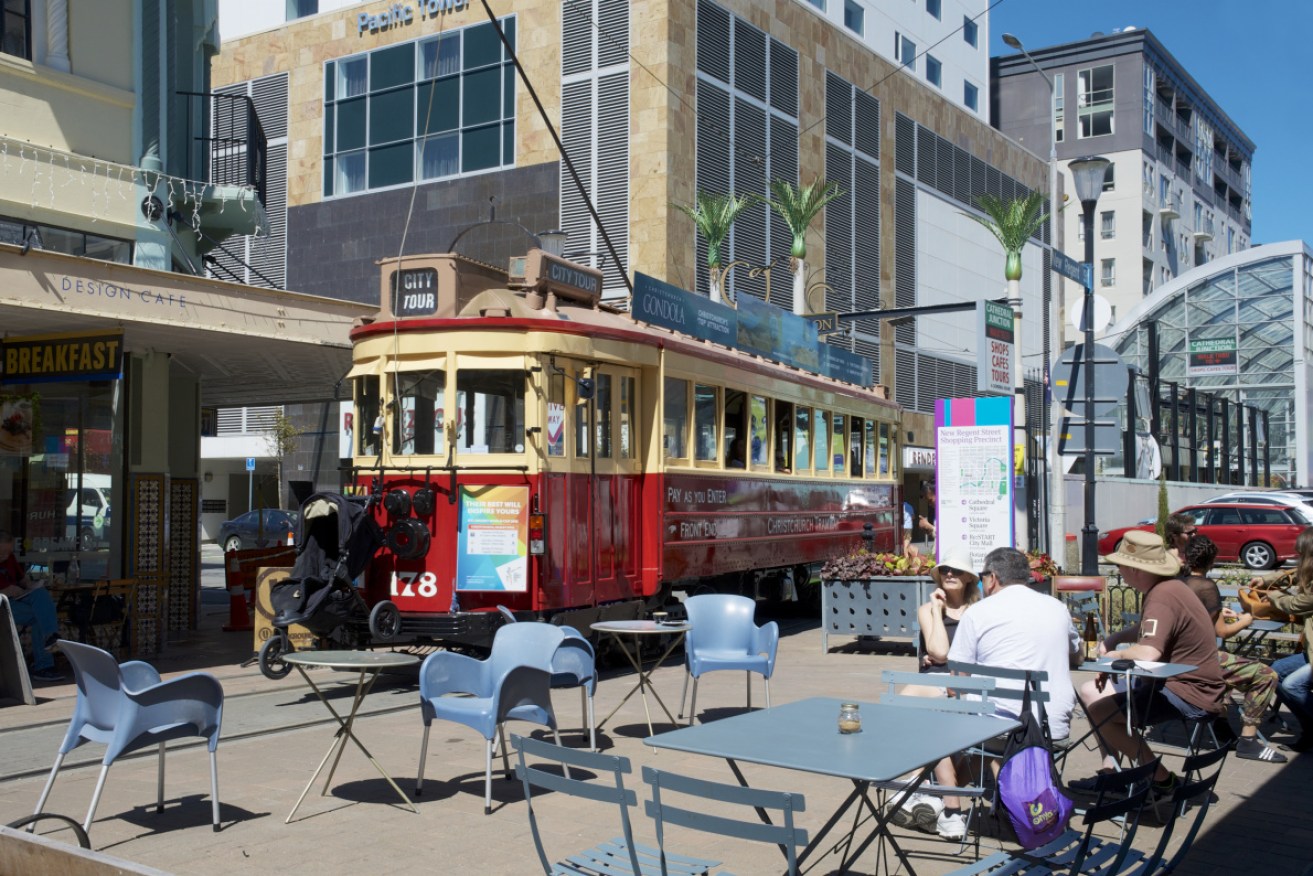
(1174, 628)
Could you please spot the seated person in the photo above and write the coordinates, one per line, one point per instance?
(1253, 678)
(735, 457)
(32, 606)
(1174, 628)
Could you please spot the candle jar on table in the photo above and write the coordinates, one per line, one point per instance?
(850, 718)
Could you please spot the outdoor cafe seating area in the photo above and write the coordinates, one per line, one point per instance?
(689, 786)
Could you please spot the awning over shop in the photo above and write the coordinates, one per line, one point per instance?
(249, 346)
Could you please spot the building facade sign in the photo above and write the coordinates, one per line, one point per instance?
(1213, 356)
(994, 340)
(402, 14)
(918, 458)
(62, 357)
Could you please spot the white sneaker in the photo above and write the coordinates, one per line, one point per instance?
(925, 811)
(951, 827)
(900, 807)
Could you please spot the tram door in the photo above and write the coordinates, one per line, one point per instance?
(595, 486)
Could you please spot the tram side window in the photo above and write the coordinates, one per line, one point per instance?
(802, 434)
(706, 418)
(367, 409)
(626, 437)
(837, 436)
(736, 431)
(884, 450)
(556, 415)
(821, 444)
(783, 437)
(758, 433)
(420, 430)
(603, 415)
(870, 448)
(855, 447)
(491, 417)
(675, 427)
(580, 420)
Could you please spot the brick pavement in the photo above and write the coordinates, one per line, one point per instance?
(1259, 824)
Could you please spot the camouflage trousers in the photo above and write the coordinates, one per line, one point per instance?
(1254, 679)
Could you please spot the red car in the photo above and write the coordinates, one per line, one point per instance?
(1260, 536)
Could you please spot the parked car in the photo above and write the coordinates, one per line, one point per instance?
(1260, 498)
(245, 531)
(1260, 536)
(87, 517)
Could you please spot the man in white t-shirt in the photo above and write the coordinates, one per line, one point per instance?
(1014, 627)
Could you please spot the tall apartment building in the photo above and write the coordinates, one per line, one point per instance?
(1178, 192)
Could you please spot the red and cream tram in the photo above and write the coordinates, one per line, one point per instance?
(539, 451)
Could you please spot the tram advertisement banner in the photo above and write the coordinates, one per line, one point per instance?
(973, 447)
(671, 307)
(492, 550)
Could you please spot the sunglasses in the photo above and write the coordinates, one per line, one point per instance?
(956, 573)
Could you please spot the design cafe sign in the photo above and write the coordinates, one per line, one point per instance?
(398, 15)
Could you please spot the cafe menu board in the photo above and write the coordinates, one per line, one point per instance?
(492, 550)
(973, 445)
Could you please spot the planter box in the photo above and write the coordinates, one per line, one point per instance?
(883, 607)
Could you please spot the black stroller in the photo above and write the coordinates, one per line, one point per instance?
(336, 539)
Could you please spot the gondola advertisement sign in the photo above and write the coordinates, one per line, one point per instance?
(492, 548)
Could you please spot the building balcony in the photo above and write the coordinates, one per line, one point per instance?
(1169, 208)
(1204, 232)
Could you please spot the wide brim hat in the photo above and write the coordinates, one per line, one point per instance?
(956, 558)
(1144, 551)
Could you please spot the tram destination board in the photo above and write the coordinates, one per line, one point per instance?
(414, 292)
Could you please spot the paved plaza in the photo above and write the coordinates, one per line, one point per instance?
(276, 732)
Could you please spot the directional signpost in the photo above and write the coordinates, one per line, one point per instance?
(1110, 386)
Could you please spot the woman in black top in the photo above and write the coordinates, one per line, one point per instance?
(955, 591)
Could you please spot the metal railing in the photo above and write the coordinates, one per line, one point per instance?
(233, 143)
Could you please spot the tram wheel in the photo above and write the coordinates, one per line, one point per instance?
(271, 661)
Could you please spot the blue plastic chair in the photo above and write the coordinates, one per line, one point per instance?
(127, 707)
(574, 665)
(514, 683)
(724, 635)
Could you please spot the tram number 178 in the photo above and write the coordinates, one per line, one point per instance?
(414, 584)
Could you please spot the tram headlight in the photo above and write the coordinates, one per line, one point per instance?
(537, 534)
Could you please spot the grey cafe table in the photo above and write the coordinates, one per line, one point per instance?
(638, 630)
(368, 664)
(895, 740)
(1154, 671)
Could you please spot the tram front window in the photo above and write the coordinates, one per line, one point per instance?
(367, 410)
(420, 394)
(491, 415)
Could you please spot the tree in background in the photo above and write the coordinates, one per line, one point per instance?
(714, 215)
(798, 207)
(1164, 510)
(281, 441)
(1012, 223)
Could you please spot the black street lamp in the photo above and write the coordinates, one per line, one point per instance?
(1088, 174)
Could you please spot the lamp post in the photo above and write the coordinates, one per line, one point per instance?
(1057, 500)
(1088, 174)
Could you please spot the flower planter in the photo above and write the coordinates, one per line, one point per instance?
(883, 607)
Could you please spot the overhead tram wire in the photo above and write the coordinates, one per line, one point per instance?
(560, 147)
(711, 123)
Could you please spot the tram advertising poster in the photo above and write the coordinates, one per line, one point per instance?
(973, 446)
(493, 545)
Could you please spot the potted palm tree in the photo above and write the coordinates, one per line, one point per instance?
(798, 207)
(714, 215)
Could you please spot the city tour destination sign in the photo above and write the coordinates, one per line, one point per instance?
(994, 340)
(1213, 356)
(753, 327)
(973, 449)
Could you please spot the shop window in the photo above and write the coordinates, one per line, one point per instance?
(674, 434)
(420, 403)
(706, 415)
(490, 416)
(16, 28)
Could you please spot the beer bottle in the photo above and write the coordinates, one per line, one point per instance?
(1091, 637)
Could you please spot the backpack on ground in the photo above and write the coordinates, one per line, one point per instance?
(1028, 784)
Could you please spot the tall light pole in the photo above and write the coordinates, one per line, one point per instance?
(1088, 174)
(1057, 504)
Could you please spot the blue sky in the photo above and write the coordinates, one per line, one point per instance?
(1244, 54)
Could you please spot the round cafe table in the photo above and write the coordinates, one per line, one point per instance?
(636, 630)
(368, 664)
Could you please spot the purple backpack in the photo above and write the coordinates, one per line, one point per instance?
(1028, 785)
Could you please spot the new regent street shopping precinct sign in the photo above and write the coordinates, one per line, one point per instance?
(62, 357)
